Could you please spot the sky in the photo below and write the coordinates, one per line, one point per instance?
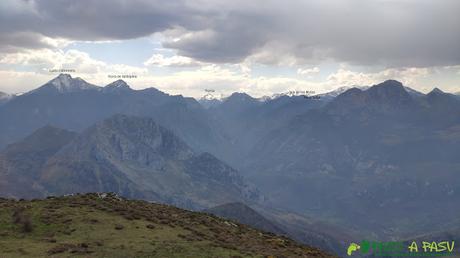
(261, 47)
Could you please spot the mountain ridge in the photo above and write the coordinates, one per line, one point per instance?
(373, 149)
(244, 214)
(346, 160)
(64, 83)
(137, 158)
(79, 108)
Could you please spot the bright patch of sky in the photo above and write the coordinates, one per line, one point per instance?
(132, 52)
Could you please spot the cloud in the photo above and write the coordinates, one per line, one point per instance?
(308, 71)
(15, 82)
(224, 80)
(389, 33)
(41, 61)
(46, 59)
(173, 61)
(20, 41)
(408, 76)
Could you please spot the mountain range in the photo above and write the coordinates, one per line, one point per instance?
(132, 156)
(376, 161)
(73, 104)
(382, 154)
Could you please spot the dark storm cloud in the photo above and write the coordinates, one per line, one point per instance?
(386, 32)
(94, 19)
(15, 41)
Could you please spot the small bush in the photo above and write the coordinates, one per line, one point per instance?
(22, 219)
(17, 215)
(26, 224)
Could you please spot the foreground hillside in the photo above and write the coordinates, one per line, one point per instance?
(104, 225)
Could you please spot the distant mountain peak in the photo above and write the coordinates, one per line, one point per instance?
(238, 102)
(136, 133)
(389, 89)
(241, 96)
(390, 85)
(264, 98)
(441, 97)
(210, 96)
(436, 90)
(208, 102)
(63, 76)
(392, 82)
(118, 85)
(64, 83)
(387, 95)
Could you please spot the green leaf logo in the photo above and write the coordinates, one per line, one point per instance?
(352, 247)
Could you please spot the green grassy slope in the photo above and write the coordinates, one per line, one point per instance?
(91, 226)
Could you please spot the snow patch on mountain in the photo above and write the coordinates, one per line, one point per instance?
(64, 83)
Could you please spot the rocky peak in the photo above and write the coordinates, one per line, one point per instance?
(134, 138)
(436, 91)
(118, 85)
(442, 99)
(388, 89)
(64, 83)
(240, 97)
(388, 95)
